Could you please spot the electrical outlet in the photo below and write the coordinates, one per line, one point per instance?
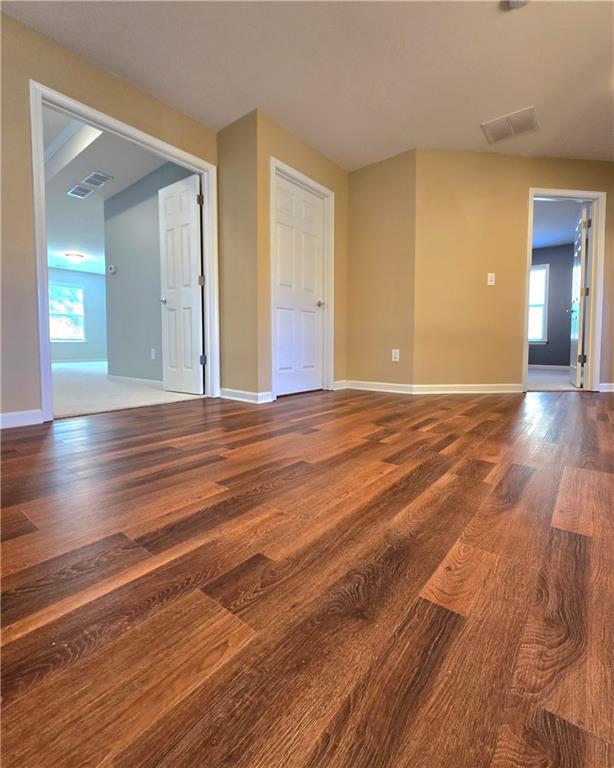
(395, 356)
(491, 278)
(153, 353)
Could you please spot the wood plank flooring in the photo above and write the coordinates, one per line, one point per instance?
(337, 579)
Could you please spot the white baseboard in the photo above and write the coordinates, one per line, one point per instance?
(75, 360)
(548, 367)
(246, 397)
(427, 389)
(465, 389)
(20, 418)
(379, 386)
(608, 387)
(114, 377)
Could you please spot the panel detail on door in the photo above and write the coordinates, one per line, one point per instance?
(286, 333)
(298, 288)
(285, 249)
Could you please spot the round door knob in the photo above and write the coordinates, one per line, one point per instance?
(319, 303)
(162, 301)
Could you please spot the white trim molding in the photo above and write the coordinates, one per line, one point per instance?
(466, 389)
(281, 170)
(595, 297)
(20, 418)
(42, 95)
(428, 389)
(130, 379)
(609, 387)
(243, 396)
(379, 386)
(548, 367)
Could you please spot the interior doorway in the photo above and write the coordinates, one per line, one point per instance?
(127, 264)
(564, 290)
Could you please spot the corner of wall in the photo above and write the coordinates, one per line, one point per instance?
(381, 278)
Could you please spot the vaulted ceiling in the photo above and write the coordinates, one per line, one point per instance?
(75, 225)
(363, 81)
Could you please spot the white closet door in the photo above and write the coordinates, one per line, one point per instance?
(298, 288)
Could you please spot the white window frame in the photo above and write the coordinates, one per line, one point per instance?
(69, 341)
(544, 338)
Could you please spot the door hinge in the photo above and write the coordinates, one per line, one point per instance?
(582, 359)
(584, 291)
(587, 224)
(201, 279)
(200, 199)
(203, 359)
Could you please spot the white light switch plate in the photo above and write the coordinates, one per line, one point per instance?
(395, 356)
(491, 278)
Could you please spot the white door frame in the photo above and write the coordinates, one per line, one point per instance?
(42, 95)
(281, 170)
(592, 370)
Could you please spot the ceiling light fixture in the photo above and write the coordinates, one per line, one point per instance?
(74, 256)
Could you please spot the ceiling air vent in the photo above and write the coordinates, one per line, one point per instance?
(79, 191)
(511, 125)
(96, 179)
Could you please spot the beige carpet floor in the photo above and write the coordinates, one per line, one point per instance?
(543, 380)
(80, 388)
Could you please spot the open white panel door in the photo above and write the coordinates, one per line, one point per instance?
(181, 299)
(298, 288)
(579, 285)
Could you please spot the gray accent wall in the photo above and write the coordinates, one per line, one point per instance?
(557, 350)
(132, 245)
(94, 306)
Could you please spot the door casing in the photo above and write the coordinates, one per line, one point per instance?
(592, 370)
(278, 169)
(41, 95)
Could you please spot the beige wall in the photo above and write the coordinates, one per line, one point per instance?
(273, 140)
(244, 152)
(472, 218)
(238, 248)
(415, 236)
(425, 228)
(27, 55)
(381, 278)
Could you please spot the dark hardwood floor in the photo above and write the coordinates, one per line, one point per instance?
(336, 579)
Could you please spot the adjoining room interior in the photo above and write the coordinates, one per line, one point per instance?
(104, 278)
(352, 263)
(556, 224)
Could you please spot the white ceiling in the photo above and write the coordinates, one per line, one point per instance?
(124, 161)
(363, 81)
(554, 222)
(75, 225)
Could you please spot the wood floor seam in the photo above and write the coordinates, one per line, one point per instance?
(334, 580)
